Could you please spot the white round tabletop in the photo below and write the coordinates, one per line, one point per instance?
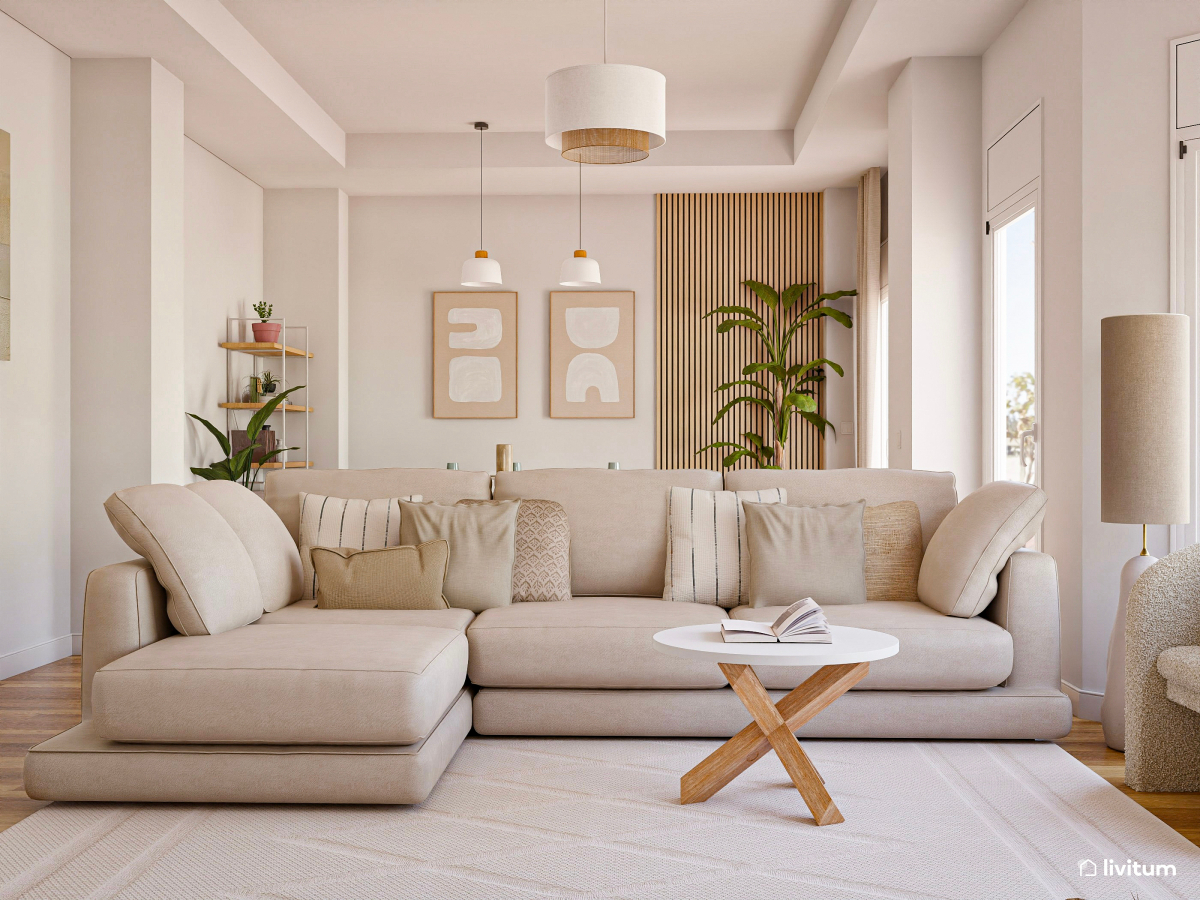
(850, 645)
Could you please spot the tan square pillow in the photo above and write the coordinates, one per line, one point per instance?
(388, 578)
(892, 540)
(482, 542)
(338, 522)
(541, 551)
(974, 542)
(805, 551)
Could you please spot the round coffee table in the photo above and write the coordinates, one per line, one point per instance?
(844, 663)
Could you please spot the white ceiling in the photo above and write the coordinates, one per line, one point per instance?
(416, 73)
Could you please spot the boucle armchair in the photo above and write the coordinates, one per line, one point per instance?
(1162, 676)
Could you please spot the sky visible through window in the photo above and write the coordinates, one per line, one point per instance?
(1017, 302)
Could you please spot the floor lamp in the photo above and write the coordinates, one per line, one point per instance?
(1144, 449)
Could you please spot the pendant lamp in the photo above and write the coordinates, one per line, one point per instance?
(480, 271)
(579, 270)
(607, 113)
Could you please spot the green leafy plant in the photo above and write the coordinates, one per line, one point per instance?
(782, 387)
(269, 381)
(238, 466)
(264, 309)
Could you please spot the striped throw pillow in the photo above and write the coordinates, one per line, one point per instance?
(336, 522)
(707, 554)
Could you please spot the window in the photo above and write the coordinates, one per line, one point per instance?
(1014, 353)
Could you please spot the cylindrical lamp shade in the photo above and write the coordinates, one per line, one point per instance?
(606, 113)
(1144, 445)
(479, 271)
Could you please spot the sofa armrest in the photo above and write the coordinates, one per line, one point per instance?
(1026, 606)
(124, 609)
(1162, 738)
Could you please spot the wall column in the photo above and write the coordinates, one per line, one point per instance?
(935, 264)
(306, 278)
(127, 315)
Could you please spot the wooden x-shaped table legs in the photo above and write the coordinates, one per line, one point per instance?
(774, 727)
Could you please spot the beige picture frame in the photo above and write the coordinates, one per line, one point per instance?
(592, 364)
(475, 355)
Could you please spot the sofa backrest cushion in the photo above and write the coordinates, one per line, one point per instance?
(618, 521)
(959, 571)
(444, 486)
(272, 551)
(933, 492)
(210, 581)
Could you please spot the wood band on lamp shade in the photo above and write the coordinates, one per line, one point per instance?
(1144, 445)
(605, 146)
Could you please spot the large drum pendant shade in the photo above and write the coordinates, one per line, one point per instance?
(606, 113)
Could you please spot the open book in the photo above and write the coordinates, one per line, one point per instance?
(801, 623)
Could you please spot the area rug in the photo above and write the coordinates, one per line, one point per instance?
(576, 818)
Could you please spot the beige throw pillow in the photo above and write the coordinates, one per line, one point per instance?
(482, 548)
(892, 541)
(974, 542)
(707, 556)
(208, 575)
(337, 522)
(541, 551)
(390, 578)
(272, 550)
(806, 551)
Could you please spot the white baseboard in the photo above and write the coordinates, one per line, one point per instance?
(1085, 704)
(38, 655)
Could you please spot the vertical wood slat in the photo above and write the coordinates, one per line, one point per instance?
(705, 246)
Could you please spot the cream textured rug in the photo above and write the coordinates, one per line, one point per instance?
(550, 818)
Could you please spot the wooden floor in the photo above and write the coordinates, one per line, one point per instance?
(45, 701)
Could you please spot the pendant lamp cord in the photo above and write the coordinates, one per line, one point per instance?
(606, 32)
(581, 204)
(480, 188)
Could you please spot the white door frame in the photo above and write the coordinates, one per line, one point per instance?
(1185, 279)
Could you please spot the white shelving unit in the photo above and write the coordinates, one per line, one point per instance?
(264, 354)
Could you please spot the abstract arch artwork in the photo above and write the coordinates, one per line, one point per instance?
(475, 355)
(591, 354)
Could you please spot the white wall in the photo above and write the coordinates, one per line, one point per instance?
(935, 213)
(404, 248)
(1040, 56)
(35, 385)
(127, 295)
(223, 276)
(841, 274)
(1127, 155)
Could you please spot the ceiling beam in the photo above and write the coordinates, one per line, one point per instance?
(843, 43)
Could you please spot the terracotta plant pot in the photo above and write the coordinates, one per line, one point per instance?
(267, 332)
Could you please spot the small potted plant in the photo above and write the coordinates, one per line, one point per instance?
(268, 384)
(265, 332)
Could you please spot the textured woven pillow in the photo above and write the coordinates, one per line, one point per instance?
(892, 540)
(542, 551)
(707, 553)
(337, 522)
(389, 578)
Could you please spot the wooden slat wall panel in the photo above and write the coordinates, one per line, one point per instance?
(705, 246)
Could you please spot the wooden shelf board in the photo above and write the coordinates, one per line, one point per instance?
(278, 465)
(287, 406)
(260, 348)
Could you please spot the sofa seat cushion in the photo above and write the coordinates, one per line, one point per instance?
(286, 684)
(305, 612)
(937, 652)
(1181, 667)
(587, 642)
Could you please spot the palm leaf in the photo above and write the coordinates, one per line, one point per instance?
(216, 432)
(717, 444)
(758, 384)
(792, 294)
(729, 324)
(758, 401)
(819, 421)
(743, 310)
(836, 314)
(802, 368)
(801, 402)
(765, 293)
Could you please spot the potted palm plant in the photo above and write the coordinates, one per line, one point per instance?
(781, 386)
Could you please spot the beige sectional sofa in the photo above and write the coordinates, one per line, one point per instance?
(309, 705)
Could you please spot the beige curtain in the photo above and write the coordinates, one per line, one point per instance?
(868, 351)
